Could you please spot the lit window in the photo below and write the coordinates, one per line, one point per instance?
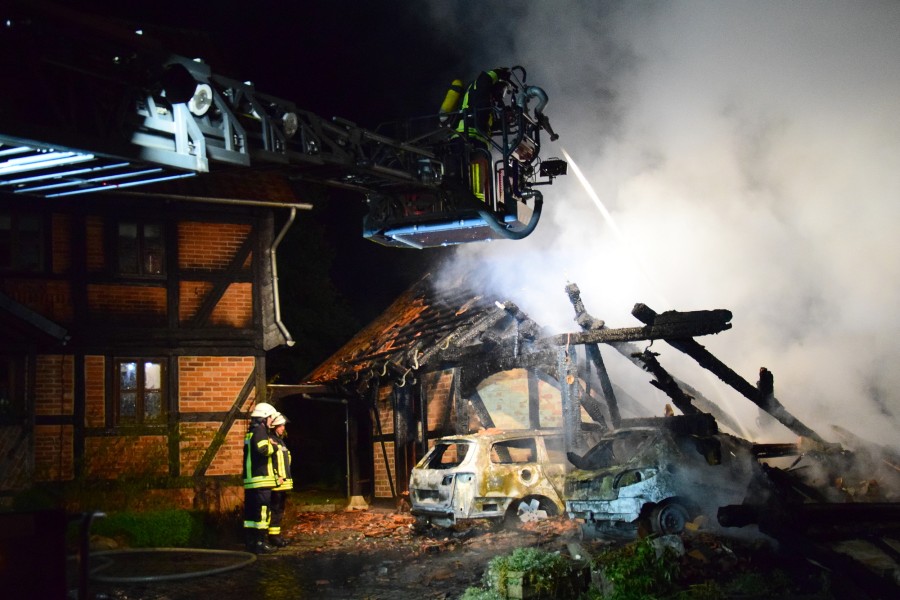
(141, 248)
(21, 242)
(140, 395)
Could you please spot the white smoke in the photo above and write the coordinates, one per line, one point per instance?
(750, 155)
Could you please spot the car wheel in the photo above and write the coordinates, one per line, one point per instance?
(524, 510)
(669, 518)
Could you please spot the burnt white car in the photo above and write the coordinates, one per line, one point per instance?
(656, 478)
(489, 475)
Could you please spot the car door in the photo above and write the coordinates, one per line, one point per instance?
(516, 470)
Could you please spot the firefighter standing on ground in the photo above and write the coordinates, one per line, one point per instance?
(259, 478)
(282, 458)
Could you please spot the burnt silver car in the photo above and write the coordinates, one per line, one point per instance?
(656, 478)
(489, 475)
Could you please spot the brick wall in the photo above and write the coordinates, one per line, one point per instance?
(210, 245)
(190, 297)
(382, 485)
(441, 411)
(195, 438)
(234, 308)
(385, 406)
(144, 303)
(54, 385)
(212, 384)
(134, 455)
(52, 299)
(53, 453)
(94, 391)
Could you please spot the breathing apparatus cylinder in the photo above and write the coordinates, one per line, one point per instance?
(451, 100)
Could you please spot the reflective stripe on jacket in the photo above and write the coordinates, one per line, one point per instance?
(282, 465)
(259, 471)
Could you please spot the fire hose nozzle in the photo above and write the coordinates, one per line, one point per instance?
(545, 124)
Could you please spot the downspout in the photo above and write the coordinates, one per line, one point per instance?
(274, 260)
(272, 257)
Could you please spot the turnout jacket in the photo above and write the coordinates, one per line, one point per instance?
(259, 469)
(282, 459)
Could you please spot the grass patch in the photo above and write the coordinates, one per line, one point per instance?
(155, 529)
(637, 571)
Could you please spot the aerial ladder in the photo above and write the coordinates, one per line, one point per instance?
(92, 106)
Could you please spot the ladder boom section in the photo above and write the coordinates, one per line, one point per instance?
(91, 106)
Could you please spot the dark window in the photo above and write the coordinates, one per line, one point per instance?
(141, 249)
(140, 391)
(21, 242)
(12, 387)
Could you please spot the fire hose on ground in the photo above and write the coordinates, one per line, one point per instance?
(242, 559)
(86, 572)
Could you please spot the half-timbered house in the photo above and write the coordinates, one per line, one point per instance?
(133, 335)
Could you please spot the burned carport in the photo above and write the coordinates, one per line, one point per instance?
(441, 362)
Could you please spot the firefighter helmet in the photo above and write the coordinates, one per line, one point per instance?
(279, 419)
(264, 410)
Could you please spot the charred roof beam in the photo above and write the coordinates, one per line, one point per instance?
(705, 359)
(672, 325)
(666, 384)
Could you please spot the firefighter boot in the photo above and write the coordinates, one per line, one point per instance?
(256, 542)
(278, 540)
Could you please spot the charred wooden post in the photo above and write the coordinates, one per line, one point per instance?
(534, 401)
(460, 404)
(481, 412)
(695, 350)
(594, 408)
(404, 433)
(665, 383)
(571, 409)
(589, 323)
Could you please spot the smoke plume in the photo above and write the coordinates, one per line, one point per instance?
(749, 154)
